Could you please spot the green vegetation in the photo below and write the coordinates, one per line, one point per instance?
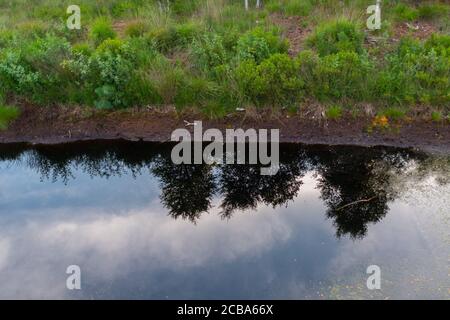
(426, 11)
(7, 114)
(393, 113)
(214, 57)
(437, 116)
(333, 112)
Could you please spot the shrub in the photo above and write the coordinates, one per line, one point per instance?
(344, 75)
(33, 69)
(168, 38)
(417, 73)
(209, 52)
(332, 37)
(111, 66)
(274, 81)
(102, 30)
(258, 45)
(251, 47)
(7, 114)
(438, 43)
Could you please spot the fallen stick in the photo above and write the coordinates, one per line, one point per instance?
(356, 202)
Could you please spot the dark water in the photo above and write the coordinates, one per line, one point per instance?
(140, 227)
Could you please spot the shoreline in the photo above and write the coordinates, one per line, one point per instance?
(49, 126)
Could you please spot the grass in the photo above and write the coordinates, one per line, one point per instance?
(7, 115)
(393, 113)
(214, 57)
(437, 116)
(333, 113)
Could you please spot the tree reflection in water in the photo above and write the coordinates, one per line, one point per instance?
(355, 183)
(356, 186)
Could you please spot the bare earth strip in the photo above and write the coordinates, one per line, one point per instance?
(59, 125)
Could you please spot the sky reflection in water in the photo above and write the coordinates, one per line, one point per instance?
(140, 227)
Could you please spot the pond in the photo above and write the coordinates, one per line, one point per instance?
(140, 227)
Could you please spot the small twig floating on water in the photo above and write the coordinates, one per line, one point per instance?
(356, 202)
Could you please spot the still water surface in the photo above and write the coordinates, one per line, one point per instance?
(140, 227)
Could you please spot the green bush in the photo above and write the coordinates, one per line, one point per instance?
(102, 30)
(332, 37)
(33, 69)
(179, 36)
(258, 45)
(7, 114)
(275, 81)
(417, 73)
(111, 66)
(209, 52)
(344, 75)
(251, 47)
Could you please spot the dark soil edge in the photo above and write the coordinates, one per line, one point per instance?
(58, 125)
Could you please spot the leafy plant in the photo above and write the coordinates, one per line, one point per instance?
(344, 75)
(333, 37)
(417, 73)
(275, 81)
(34, 68)
(209, 52)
